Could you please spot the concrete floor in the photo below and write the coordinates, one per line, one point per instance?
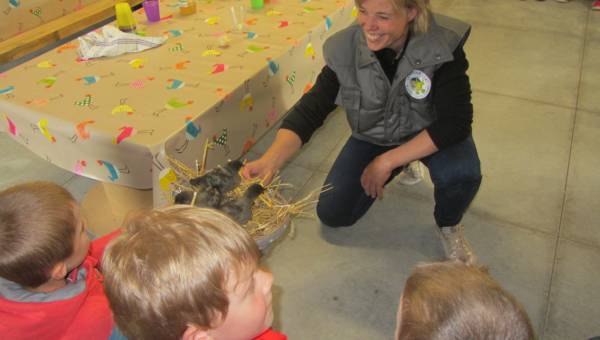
(535, 73)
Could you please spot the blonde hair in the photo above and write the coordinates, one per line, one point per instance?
(37, 230)
(421, 22)
(449, 300)
(169, 268)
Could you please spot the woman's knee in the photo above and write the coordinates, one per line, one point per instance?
(468, 183)
(456, 164)
(332, 216)
(467, 174)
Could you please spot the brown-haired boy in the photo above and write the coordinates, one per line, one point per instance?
(188, 273)
(50, 287)
(450, 300)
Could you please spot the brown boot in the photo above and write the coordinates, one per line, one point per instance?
(456, 247)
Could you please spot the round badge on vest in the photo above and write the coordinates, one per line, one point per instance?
(418, 84)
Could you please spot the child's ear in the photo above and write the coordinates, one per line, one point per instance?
(194, 332)
(59, 271)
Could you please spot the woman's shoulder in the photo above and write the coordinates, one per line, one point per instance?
(342, 43)
(344, 37)
(453, 32)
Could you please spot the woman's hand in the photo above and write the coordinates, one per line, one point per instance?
(380, 169)
(263, 167)
(375, 175)
(286, 143)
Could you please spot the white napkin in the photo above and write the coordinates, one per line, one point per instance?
(112, 42)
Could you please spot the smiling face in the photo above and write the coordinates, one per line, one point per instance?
(250, 309)
(384, 26)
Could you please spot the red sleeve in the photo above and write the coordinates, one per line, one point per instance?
(270, 334)
(98, 245)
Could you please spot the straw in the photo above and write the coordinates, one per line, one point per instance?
(241, 24)
(234, 17)
(207, 146)
(271, 211)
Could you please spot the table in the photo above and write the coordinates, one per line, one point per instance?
(118, 119)
(20, 16)
(36, 24)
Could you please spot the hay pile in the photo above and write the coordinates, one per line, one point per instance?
(271, 210)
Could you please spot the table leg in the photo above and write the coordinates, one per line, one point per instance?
(105, 205)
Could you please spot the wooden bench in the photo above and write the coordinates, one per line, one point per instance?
(60, 28)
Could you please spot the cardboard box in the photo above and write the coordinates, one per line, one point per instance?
(106, 205)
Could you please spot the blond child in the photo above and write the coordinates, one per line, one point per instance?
(452, 301)
(50, 287)
(188, 273)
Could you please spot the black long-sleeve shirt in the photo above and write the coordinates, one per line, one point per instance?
(451, 91)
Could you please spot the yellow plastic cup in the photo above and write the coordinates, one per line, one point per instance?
(125, 20)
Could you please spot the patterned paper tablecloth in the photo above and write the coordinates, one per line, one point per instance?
(115, 119)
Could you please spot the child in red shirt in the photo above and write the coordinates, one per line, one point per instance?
(188, 273)
(50, 286)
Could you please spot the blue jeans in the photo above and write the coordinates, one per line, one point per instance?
(455, 173)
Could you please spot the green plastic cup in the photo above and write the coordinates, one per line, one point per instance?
(257, 4)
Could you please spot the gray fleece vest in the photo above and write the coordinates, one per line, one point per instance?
(385, 113)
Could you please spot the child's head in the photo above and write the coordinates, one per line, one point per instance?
(449, 300)
(187, 270)
(42, 235)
